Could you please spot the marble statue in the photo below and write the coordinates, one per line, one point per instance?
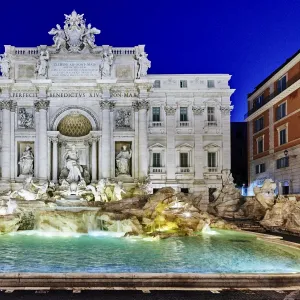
(143, 65)
(25, 119)
(59, 37)
(123, 161)
(43, 64)
(30, 190)
(75, 36)
(89, 36)
(123, 118)
(106, 63)
(99, 191)
(9, 208)
(5, 65)
(117, 194)
(26, 162)
(71, 158)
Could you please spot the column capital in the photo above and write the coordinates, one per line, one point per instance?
(41, 104)
(140, 104)
(8, 105)
(225, 110)
(107, 104)
(198, 110)
(54, 140)
(144, 87)
(42, 86)
(170, 110)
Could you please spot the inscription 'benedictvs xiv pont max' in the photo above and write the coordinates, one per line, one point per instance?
(123, 123)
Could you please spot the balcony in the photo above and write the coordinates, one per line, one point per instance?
(272, 96)
(185, 170)
(210, 123)
(157, 170)
(184, 124)
(212, 169)
(156, 124)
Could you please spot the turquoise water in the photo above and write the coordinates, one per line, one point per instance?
(225, 252)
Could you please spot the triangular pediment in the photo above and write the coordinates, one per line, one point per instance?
(184, 145)
(157, 146)
(212, 147)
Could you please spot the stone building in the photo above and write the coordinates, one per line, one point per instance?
(274, 128)
(76, 109)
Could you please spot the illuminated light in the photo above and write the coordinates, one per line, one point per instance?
(187, 214)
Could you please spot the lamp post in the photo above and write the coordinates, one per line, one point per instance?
(286, 154)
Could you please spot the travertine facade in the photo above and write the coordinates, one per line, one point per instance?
(125, 125)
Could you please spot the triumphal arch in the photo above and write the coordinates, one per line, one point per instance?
(76, 111)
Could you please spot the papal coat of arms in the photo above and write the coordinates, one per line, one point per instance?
(75, 36)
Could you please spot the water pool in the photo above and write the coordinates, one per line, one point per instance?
(224, 252)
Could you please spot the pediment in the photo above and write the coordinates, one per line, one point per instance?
(212, 147)
(157, 146)
(184, 145)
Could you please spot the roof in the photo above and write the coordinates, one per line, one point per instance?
(273, 73)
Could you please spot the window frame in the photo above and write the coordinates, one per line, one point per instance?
(158, 108)
(278, 108)
(154, 160)
(186, 155)
(260, 168)
(282, 162)
(260, 123)
(183, 84)
(180, 114)
(258, 140)
(281, 89)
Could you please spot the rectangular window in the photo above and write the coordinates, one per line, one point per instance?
(156, 114)
(210, 83)
(260, 145)
(282, 136)
(156, 84)
(258, 102)
(281, 84)
(156, 160)
(281, 111)
(184, 160)
(183, 114)
(259, 124)
(212, 159)
(183, 84)
(210, 114)
(260, 168)
(282, 162)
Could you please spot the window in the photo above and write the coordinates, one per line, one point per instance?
(281, 111)
(156, 84)
(210, 114)
(184, 160)
(184, 190)
(156, 160)
(259, 124)
(210, 83)
(183, 84)
(282, 136)
(183, 114)
(156, 114)
(260, 168)
(258, 101)
(281, 84)
(260, 145)
(282, 162)
(212, 159)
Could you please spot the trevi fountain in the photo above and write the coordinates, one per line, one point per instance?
(64, 210)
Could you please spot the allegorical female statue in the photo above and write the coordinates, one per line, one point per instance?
(143, 65)
(42, 65)
(5, 65)
(26, 162)
(123, 161)
(72, 164)
(106, 63)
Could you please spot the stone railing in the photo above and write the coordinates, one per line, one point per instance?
(212, 169)
(123, 51)
(210, 123)
(156, 124)
(184, 124)
(186, 170)
(26, 51)
(156, 170)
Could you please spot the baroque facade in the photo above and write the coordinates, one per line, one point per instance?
(78, 110)
(274, 128)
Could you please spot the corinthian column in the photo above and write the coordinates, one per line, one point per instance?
(106, 106)
(94, 159)
(42, 107)
(170, 126)
(143, 139)
(6, 139)
(54, 159)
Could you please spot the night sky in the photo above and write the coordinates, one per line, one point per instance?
(247, 39)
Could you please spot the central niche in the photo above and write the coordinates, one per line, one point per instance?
(74, 125)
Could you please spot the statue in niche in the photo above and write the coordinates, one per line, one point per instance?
(25, 118)
(106, 63)
(123, 118)
(117, 195)
(123, 161)
(89, 36)
(71, 158)
(26, 162)
(42, 64)
(59, 37)
(143, 65)
(5, 65)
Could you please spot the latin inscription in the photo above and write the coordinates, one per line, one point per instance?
(74, 69)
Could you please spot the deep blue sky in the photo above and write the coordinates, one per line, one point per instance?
(247, 39)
